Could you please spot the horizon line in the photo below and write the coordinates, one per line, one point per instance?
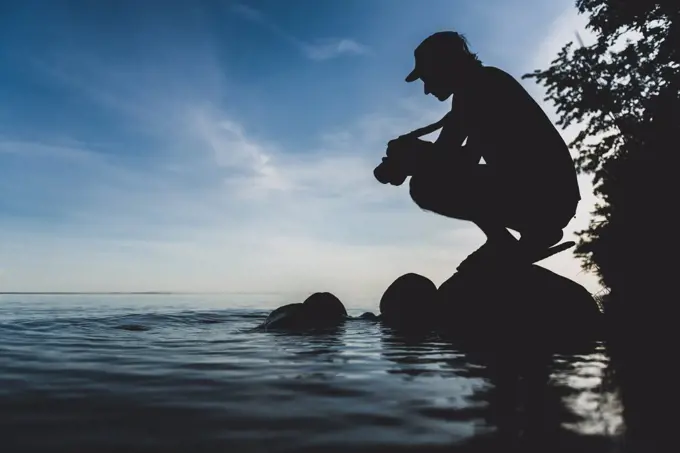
(132, 292)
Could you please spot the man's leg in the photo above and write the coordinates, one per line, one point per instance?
(478, 194)
(469, 195)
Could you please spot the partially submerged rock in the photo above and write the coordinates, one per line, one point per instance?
(409, 302)
(498, 304)
(530, 302)
(369, 316)
(319, 310)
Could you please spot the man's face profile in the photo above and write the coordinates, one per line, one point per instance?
(435, 83)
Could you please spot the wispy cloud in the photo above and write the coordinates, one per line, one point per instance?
(322, 49)
(331, 48)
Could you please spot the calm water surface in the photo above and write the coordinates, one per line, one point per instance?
(183, 373)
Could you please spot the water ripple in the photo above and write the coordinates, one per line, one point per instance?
(79, 378)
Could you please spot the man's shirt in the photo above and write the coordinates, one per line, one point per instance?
(513, 134)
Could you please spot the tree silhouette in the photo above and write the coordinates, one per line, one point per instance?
(623, 92)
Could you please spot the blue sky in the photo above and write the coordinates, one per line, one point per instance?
(229, 146)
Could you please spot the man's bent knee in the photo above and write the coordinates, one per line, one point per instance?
(425, 193)
(420, 192)
(431, 195)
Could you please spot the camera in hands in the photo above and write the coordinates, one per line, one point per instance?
(391, 170)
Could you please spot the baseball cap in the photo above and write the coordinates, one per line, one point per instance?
(433, 48)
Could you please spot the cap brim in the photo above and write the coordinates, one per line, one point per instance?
(413, 76)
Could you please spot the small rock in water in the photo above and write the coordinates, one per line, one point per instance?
(321, 309)
(325, 306)
(409, 301)
(370, 316)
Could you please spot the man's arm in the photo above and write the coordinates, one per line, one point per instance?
(450, 140)
(421, 156)
(453, 131)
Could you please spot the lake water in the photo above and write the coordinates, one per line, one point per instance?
(185, 373)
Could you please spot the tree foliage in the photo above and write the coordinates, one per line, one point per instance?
(623, 92)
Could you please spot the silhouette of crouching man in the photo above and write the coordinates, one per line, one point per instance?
(527, 182)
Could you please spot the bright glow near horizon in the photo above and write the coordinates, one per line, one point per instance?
(230, 147)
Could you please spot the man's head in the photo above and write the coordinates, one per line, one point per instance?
(443, 63)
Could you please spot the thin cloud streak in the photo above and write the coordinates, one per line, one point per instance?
(323, 49)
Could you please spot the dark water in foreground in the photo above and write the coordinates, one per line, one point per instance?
(179, 373)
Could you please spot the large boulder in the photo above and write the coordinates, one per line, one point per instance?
(409, 302)
(525, 302)
(319, 310)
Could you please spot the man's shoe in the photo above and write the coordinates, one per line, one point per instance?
(534, 244)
